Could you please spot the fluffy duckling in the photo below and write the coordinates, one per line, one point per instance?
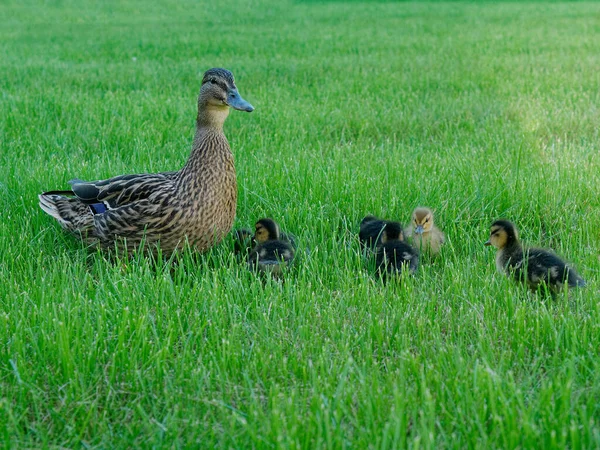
(370, 232)
(425, 235)
(271, 254)
(394, 255)
(532, 266)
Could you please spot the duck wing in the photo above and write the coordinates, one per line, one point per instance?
(124, 206)
(122, 190)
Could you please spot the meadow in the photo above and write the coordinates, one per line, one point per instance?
(479, 110)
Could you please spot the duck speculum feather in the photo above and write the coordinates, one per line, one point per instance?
(195, 205)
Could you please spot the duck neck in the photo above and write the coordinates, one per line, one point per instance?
(509, 250)
(211, 116)
(210, 150)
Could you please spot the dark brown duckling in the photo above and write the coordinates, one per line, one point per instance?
(534, 267)
(271, 254)
(370, 232)
(244, 242)
(394, 255)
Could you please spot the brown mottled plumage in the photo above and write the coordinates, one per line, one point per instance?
(195, 204)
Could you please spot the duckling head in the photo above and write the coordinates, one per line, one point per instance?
(422, 220)
(266, 230)
(502, 234)
(368, 219)
(217, 94)
(392, 232)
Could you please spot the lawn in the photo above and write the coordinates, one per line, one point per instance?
(479, 110)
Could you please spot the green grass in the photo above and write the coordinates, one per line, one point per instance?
(479, 110)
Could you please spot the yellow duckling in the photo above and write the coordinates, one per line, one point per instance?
(532, 266)
(425, 235)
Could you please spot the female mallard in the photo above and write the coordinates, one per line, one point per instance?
(195, 204)
(532, 266)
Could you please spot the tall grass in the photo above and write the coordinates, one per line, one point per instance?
(479, 110)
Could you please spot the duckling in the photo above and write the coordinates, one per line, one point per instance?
(533, 266)
(243, 242)
(370, 232)
(271, 254)
(195, 204)
(394, 256)
(425, 235)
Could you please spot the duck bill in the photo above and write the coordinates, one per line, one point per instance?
(235, 100)
(487, 243)
(419, 229)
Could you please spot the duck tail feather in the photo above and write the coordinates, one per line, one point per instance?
(72, 214)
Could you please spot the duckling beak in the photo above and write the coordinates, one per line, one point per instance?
(235, 100)
(487, 243)
(419, 229)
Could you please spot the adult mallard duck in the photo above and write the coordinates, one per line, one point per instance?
(272, 253)
(195, 204)
(425, 235)
(533, 266)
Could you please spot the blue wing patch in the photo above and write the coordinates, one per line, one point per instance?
(98, 208)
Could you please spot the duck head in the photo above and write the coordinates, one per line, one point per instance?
(266, 230)
(422, 220)
(368, 219)
(217, 94)
(502, 234)
(392, 232)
